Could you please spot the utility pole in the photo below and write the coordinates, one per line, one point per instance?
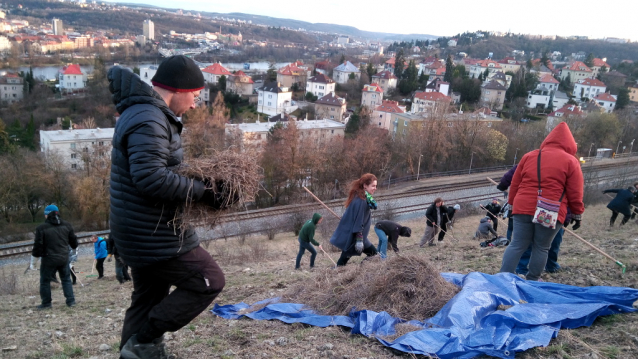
(418, 171)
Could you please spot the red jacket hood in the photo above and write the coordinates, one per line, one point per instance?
(561, 137)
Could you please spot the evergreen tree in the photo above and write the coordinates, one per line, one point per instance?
(398, 64)
(409, 82)
(449, 69)
(221, 83)
(343, 59)
(371, 70)
(623, 98)
(271, 74)
(589, 61)
(354, 123)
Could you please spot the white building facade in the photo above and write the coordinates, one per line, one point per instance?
(273, 99)
(73, 145)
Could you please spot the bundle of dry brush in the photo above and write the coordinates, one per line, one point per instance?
(212, 157)
(406, 287)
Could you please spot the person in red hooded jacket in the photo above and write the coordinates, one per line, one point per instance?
(560, 173)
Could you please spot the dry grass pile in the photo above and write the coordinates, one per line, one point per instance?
(408, 287)
(238, 172)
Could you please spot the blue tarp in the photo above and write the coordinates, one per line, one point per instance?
(470, 324)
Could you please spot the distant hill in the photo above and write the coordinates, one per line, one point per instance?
(327, 28)
(298, 24)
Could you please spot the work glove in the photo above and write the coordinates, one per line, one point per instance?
(359, 245)
(501, 187)
(109, 259)
(575, 221)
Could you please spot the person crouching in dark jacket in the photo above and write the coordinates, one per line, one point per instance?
(121, 269)
(306, 237)
(485, 229)
(389, 232)
(621, 204)
(52, 242)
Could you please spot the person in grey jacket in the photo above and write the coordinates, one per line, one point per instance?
(146, 193)
(485, 229)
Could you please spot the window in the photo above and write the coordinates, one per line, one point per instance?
(269, 96)
(321, 87)
(73, 155)
(487, 92)
(332, 109)
(269, 103)
(85, 149)
(73, 146)
(101, 143)
(379, 124)
(74, 166)
(332, 117)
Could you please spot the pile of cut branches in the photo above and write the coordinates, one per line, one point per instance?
(406, 286)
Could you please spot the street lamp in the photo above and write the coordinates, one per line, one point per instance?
(418, 171)
(617, 147)
(471, 159)
(515, 157)
(589, 154)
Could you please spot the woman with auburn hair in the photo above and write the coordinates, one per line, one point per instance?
(351, 235)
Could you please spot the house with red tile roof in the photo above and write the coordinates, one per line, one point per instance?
(213, 72)
(386, 80)
(331, 107)
(482, 65)
(597, 65)
(607, 101)
(323, 67)
(568, 111)
(633, 92)
(71, 79)
(390, 64)
(541, 96)
(320, 85)
(290, 75)
(576, 71)
(372, 95)
(240, 83)
(438, 85)
(509, 64)
(588, 88)
(382, 114)
(429, 102)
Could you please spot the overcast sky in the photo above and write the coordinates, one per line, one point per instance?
(596, 19)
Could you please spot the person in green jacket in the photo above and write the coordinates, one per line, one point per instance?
(306, 237)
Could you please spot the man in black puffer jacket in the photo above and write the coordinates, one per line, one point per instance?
(52, 242)
(146, 193)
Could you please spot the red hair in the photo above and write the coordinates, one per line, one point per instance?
(356, 187)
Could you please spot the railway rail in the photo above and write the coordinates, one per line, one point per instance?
(399, 198)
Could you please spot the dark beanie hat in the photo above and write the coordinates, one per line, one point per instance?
(179, 74)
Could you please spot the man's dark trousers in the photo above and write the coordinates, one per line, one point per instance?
(121, 269)
(99, 265)
(48, 268)
(198, 280)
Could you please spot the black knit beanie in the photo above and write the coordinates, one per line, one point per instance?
(179, 74)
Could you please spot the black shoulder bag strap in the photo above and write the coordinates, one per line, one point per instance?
(538, 174)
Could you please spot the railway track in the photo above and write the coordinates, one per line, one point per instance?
(455, 187)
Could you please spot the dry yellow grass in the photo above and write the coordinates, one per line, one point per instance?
(262, 268)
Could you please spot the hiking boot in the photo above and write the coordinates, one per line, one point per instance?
(135, 350)
(432, 244)
(43, 307)
(71, 305)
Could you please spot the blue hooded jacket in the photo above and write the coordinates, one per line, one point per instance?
(100, 248)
